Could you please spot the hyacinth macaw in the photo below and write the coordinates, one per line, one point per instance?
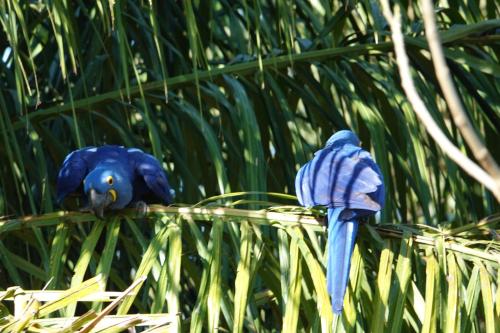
(344, 178)
(112, 178)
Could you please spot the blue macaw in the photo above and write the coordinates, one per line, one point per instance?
(344, 178)
(112, 177)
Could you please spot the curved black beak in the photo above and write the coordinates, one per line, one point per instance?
(99, 201)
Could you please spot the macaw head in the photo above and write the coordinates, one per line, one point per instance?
(341, 138)
(107, 188)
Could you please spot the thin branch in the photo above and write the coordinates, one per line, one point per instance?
(457, 111)
(146, 319)
(200, 213)
(449, 244)
(264, 217)
(420, 109)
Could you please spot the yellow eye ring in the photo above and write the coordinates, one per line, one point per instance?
(109, 180)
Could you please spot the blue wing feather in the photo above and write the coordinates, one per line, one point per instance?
(148, 167)
(339, 178)
(73, 171)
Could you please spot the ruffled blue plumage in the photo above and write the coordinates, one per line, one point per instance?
(119, 175)
(344, 178)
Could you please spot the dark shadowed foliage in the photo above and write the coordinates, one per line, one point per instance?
(235, 96)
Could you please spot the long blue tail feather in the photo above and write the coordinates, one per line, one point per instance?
(341, 239)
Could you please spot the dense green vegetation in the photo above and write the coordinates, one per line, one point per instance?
(235, 96)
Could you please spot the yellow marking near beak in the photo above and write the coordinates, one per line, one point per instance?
(114, 195)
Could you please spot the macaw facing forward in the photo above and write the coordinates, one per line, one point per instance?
(112, 177)
(344, 178)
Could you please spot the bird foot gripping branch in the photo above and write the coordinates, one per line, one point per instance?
(141, 208)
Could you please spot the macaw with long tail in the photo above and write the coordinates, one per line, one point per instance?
(112, 177)
(344, 178)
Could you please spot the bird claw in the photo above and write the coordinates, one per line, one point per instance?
(141, 208)
(85, 209)
(99, 212)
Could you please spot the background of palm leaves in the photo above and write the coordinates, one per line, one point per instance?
(235, 96)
